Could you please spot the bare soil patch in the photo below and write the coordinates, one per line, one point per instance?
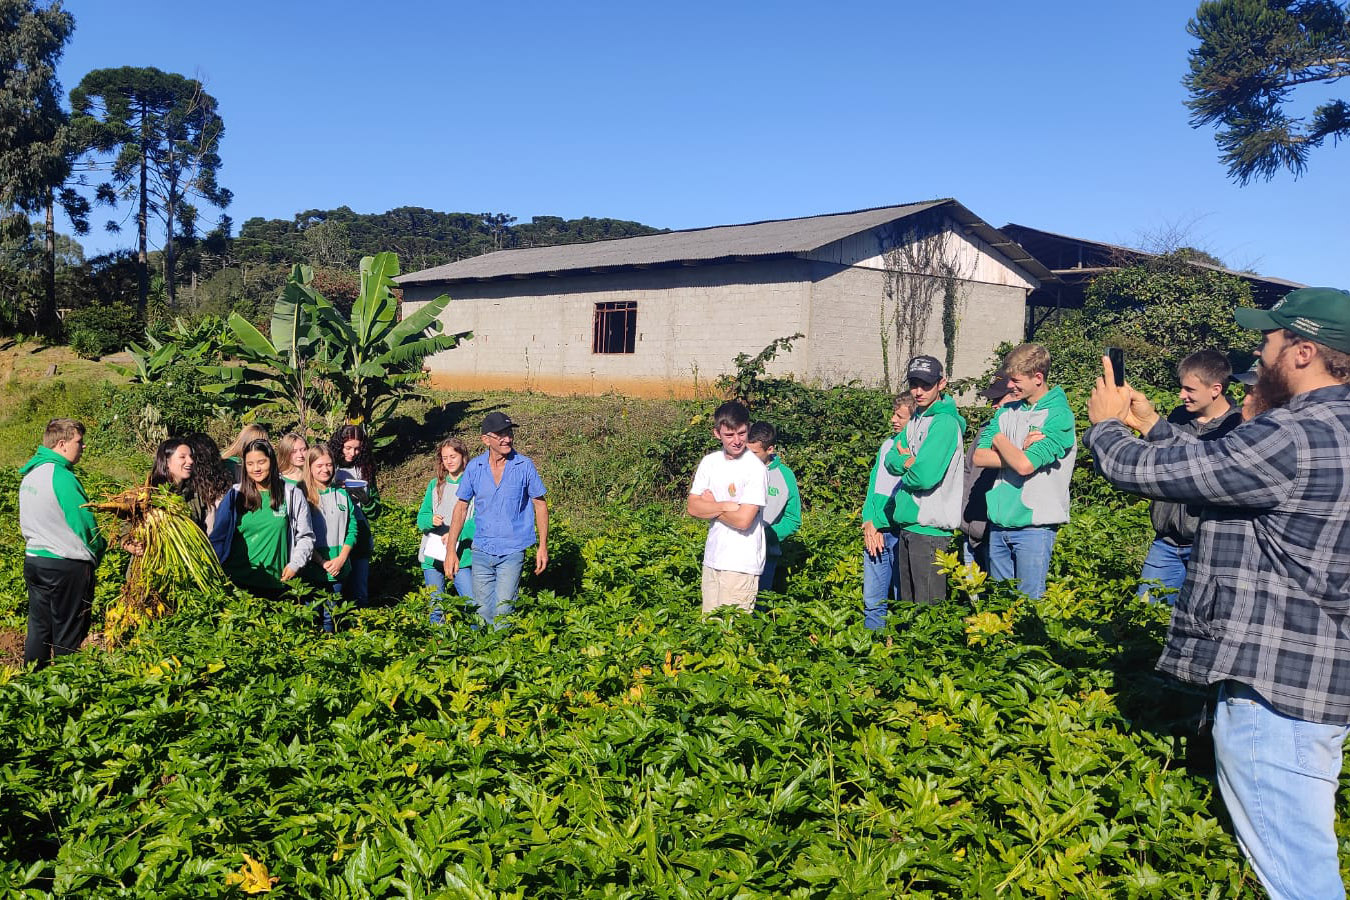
(11, 647)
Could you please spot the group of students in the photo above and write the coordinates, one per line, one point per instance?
(1006, 493)
(275, 514)
(1009, 495)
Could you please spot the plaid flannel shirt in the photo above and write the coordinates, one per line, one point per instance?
(1267, 595)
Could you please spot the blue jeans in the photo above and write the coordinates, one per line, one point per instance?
(1278, 777)
(434, 578)
(495, 581)
(326, 606)
(1165, 563)
(881, 581)
(358, 582)
(1021, 553)
(770, 568)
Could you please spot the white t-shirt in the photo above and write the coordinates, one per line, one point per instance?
(743, 480)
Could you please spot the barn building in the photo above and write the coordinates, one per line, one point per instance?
(664, 314)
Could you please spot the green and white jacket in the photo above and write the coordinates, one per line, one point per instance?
(445, 508)
(52, 515)
(334, 522)
(932, 488)
(783, 512)
(1041, 498)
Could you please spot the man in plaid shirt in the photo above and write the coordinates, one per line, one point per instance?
(1265, 609)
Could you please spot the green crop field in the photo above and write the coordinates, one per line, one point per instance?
(611, 743)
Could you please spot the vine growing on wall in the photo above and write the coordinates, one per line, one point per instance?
(921, 263)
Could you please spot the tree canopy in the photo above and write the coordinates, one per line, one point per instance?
(162, 132)
(421, 237)
(1253, 54)
(32, 163)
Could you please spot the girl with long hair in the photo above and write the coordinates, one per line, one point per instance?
(433, 520)
(234, 454)
(263, 534)
(172, 466)
(210, 479)
(334, 516)
(356, 473)
(291, 450)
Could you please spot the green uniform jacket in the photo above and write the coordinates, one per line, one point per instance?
(882, 486)
(931, 489)
(783, 511)
(52, 515)
(1041, 498)
(446, 509)
(334, 522)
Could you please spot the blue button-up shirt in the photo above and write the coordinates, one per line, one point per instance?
(503, 513)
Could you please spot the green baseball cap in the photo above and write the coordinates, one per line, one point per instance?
(1319, 314)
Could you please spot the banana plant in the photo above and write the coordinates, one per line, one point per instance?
(375, 356)
(194, 345)
(285, 372)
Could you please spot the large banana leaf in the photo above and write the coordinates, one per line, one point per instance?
(251, 340)
(403, 353)
(375, 308)
(295, 314)
(427, 317)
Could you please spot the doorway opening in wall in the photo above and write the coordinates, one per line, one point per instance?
(615, 327)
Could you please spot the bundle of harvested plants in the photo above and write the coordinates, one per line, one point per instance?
(169, 553)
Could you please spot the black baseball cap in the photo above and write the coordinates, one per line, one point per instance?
(497, 422)
(924, 368)
(1248, 377)
(998, 388)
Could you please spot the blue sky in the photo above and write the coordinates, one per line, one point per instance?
(1062, 116)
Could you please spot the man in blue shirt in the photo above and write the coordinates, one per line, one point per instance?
(503, 486)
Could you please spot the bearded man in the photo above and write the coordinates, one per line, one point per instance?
(1265, 609)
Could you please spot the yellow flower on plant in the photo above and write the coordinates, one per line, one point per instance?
(252, 877)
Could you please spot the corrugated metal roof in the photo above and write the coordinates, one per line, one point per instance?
(1026, 231)
(772, 238)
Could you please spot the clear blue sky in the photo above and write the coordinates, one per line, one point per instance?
(1065, 116)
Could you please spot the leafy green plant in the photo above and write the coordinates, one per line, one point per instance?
(281, 373)
(316, 363)
(375, 356)
(96, 331)
(194, 344)
(1158, 312)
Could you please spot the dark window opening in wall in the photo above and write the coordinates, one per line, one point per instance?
(615, 327)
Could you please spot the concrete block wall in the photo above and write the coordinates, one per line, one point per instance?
(536, 333)
(846, 327)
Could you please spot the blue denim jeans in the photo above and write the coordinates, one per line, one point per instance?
(495, 582)
(1021, 553)
(881, 581)
(1166, 563)
(770, 569)
(435, 579)
(358, 582)
(326, 606)
(1278, 777)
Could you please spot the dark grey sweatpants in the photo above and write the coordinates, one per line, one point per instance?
(920, 580)
(60, 598)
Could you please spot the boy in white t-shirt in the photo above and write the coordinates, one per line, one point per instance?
(730, 489)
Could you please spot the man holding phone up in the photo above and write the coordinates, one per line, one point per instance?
(1264, 612)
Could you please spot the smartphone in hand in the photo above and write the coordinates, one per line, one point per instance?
(1117, 357)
